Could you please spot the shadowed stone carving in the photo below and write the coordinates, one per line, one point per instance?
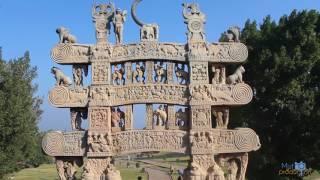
(65, 36)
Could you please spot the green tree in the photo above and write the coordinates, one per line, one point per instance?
(284, 70)
(19, 115)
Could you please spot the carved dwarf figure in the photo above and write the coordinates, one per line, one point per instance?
(182, 74)
(61, 78)
(138, 74)
(236, 77)
(118, 21)
(216, 173)
(65, 36)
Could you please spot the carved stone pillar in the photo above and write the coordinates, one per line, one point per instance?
(200, 117)
(199, 73)
(149, 70)
(128, 70)
(128, 117)
(149, 116)
(100, 119)
(171, 122)
(101, 72)
(170, 68)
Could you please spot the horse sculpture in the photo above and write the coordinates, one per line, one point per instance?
(182, 75)
(117, 76)
(161, 73)
(138, 74)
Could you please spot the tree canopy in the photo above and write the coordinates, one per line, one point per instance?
(19, 115)
(284, 70)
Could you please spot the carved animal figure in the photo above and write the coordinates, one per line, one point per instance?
(232, 34)
(182, 75)
(161, 115)
(138, 74)
(148, 31)
(236, 77)
(161, 73)
(61, 78)
(65, 36)
(117, 76)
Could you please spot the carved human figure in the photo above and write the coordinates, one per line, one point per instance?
(195, 20)
(65, 36)
(182, 74)
(232, 170)
(76, 118)
(236, 77)
(78, 71)
(161, 115)
(115, 118)
(61, 78)
(216, 76)
(112, 173)
(118, 75)
(118, 21)
(161, 73)
(138, 74)
(222, 117)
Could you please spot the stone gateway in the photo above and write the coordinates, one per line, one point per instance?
(187, 89)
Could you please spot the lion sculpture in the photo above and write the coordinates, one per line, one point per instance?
(65, 36)
(236, 77)
(232, 34)
(61, 78)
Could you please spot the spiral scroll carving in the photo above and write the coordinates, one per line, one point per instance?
(52, 143)
(61, 52)
(59, 95)
(238, 52)
(246, 140)
(242, 93)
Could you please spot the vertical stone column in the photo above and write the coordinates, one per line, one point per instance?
(149, 116)
(128, 117)
(128, 70)
(171, 122)
(149, 70)
(170, 68)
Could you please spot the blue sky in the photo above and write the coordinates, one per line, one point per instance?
(30, 25)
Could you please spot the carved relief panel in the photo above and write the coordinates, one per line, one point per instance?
(199, 73)
(200, 117)
(100, 118)
(100, 72)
